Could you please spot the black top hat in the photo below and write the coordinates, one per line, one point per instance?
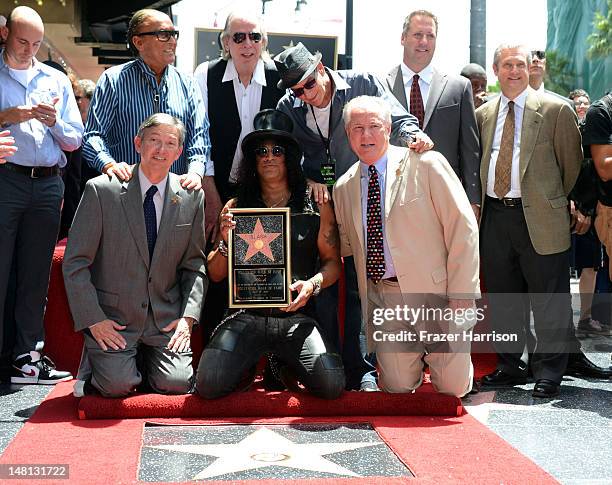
(271, 123)
(295, 64)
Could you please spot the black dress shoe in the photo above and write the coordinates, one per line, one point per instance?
(579, 365)
(499, 378)
(545, 388)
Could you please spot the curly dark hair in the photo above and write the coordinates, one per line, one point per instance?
(249, 188)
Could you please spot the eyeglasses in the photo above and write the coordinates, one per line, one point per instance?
(240, 37)
(277, 151)
(162, 35)
(539, 54)
(308, 85)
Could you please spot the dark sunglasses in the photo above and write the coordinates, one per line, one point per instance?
(240, 37)
(162, 35)
(539, 54)
(309, 85)
(277, 151)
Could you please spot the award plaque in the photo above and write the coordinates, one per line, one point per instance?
(259, 258)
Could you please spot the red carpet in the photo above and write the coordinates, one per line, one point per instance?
(270, 404)
(436, 449)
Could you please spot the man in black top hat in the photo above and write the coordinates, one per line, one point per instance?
(315, 102)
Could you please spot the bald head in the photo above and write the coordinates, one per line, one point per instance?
(25, 32)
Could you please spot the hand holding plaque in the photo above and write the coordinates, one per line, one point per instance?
(259, 260)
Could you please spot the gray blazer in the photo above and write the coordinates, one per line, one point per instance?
(451, 123)
(106, 265)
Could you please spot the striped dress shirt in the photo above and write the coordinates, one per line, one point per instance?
(125, 96)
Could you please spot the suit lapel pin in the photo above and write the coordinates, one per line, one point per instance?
(174, 199)
(398, 172)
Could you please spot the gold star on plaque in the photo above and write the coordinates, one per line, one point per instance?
(259, 241)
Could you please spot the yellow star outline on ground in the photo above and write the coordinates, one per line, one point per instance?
(259, 241)
(265, 448)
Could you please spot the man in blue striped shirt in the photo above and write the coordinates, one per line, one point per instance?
(127, 94)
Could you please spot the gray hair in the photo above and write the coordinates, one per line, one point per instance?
(158, 119)
(253, 17)
(501, 47)
(87, 86)
(372, 104)
(423, 13)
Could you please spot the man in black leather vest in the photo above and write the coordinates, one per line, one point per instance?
(235, 87)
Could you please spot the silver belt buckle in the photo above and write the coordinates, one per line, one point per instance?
(32, 173)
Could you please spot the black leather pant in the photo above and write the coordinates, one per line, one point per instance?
(239, 342)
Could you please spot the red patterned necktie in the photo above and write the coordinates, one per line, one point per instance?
(416, 101)
(375, 261)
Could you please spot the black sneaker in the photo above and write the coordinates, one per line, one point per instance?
(34, 368)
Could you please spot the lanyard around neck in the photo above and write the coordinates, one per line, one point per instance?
(325, 141)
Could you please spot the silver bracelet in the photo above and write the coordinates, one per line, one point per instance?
(316, 285)
(222, 248)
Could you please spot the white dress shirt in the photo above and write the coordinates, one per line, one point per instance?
(158, 198)
(248, 101)
(515, 176)
(424, 82)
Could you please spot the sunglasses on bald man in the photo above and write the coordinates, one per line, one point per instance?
(539, 54)
(162, 35)
(240, 37)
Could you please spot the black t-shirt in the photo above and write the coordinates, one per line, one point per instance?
(598, 131)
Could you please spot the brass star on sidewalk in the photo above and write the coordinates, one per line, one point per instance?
(259, 241)
(265, 448)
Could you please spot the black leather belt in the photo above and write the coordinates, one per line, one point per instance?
(507, 201)
(32, 172)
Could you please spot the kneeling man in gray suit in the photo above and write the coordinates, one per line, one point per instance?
(134, 269)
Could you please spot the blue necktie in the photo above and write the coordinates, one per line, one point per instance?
(150, 219)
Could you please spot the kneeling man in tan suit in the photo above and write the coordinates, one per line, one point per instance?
(406, 220)
(134, 270)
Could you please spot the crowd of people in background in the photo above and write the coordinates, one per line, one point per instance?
(413, 186)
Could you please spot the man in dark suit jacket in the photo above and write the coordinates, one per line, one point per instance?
(134, 269)
(448, 116)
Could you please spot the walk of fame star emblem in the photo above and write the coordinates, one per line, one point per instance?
(238, 452)
(259, 241)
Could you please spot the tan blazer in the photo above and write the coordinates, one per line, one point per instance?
(550, 158)
(106, 267)
(429, 226)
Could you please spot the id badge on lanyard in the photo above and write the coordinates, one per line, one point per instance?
(328, 167)
(328, 172)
